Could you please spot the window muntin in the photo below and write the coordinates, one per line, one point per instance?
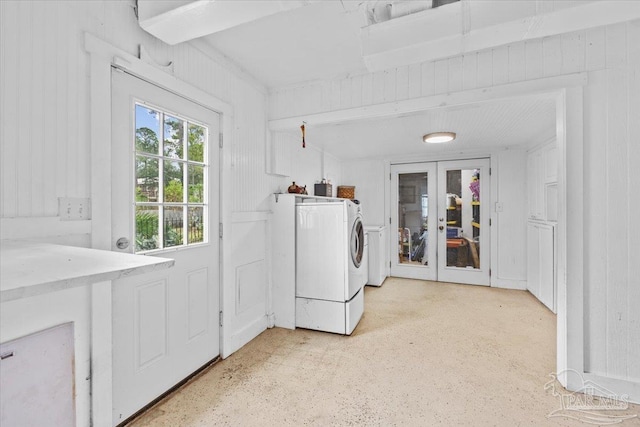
(170, 180)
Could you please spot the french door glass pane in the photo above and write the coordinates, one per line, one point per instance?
(463, 218)
(413, 213)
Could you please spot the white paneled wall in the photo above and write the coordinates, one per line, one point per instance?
(369, 179)
(612, 153)
(511, 221)
(45, 135)
(611, 57)
(44, 78)
(252, 280)
(305, 166)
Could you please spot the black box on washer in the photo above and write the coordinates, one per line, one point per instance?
(322, 190)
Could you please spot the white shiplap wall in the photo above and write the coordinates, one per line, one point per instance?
(611, 56)
(45, 102)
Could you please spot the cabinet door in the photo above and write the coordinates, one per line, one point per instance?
(541, 263)
(546, 266)
(550, 155)
(535, 185)
(37, 379)
(533, 260)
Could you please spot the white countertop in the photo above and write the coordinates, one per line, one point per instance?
(29, 269)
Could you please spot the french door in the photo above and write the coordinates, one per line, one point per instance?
(440, 221)
(165, 202)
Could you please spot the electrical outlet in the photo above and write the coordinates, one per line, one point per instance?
(74, 208)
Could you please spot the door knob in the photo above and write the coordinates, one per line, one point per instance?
(441, 227)
(122, 243)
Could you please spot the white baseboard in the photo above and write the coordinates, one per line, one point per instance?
(272, 320)
(510, 284)
(628, 389)
(246, 334)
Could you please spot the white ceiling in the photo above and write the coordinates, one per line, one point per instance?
(481, 128)
(318, 41)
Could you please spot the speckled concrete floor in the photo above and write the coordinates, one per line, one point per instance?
(423, 354)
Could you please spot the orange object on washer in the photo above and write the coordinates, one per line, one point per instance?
(455, 243)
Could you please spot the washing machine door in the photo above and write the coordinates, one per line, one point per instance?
(356, 247)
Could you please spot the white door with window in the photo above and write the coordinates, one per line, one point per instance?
(440, 223)
(165, 202)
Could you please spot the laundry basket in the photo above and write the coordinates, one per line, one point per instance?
(346, 192)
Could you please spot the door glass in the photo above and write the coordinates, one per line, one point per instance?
(170, 180)
(357, 243)
(463, 218)
(413, 212)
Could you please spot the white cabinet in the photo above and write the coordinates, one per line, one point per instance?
(541, 262)
(377, 250)
(37, 379)
(535, 185)
(550, 157)
(542, 178)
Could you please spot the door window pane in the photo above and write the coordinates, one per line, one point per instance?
(147, 178)
(196, 225)
(196, 184)
(173, 137)
(413, 213)
(463, 218)
(173, 226)
(196, 143)
(147, 128)
(147, 221)
(173, 182)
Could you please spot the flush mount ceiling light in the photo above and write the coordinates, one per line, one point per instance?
(438, 137)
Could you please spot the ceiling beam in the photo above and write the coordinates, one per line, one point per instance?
(177, 21)
(408, 106)
(442, 33)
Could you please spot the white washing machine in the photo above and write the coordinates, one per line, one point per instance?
(329, 287)
(357, 267)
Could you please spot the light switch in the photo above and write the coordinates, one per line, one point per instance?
(74, 208)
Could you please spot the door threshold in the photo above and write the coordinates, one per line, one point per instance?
(176, 387)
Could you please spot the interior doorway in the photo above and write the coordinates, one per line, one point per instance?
(441, 228)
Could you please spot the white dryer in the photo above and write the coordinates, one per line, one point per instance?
(327, 299)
